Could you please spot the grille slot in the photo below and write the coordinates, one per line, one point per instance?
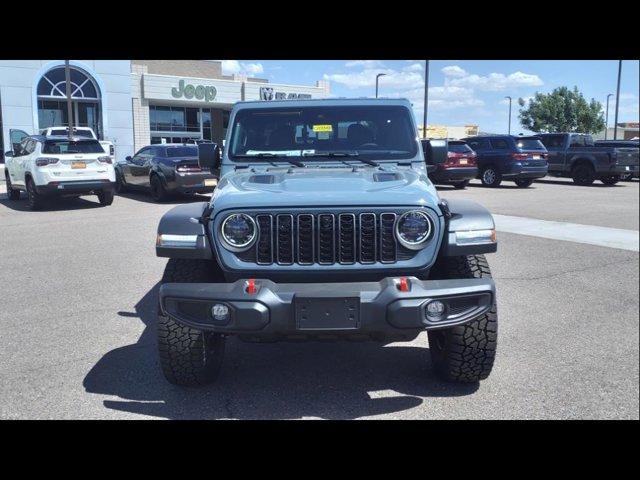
(305, 239)
(387, 238)
(326, 239)
(284, 244)
(368, 238)
(264, 247)
(347, 238)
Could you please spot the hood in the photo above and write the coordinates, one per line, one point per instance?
(324, 186)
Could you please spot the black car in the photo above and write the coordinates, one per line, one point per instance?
(459, 168)
(165, 169)
(521, 159)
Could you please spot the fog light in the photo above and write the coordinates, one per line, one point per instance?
(220, 312)
(435, 310)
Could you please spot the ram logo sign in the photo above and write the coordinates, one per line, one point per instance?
(268, 93)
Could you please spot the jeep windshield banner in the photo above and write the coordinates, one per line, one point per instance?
(365, 132)
(199, 92)
(268, 93)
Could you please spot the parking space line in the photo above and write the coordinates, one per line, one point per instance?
(570, 232)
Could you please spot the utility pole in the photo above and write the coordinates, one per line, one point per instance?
(426, 98)
(509, 113)
(67, 74)
(377, 78)
(615, 126)
(606, 127)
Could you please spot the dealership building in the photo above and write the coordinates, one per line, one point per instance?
(131, 102)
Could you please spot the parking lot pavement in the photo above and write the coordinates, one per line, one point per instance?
(77, 305)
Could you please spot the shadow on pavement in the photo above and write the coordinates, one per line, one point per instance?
(341, 380)
(596, 183)
(142, 196)
(52, 204)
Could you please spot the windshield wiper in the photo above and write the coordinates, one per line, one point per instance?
(272, 155)
(353, 155)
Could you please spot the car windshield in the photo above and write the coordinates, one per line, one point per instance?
(324, 133)
(459, 147)
(529, 144)
(65, 146)
(182, 151)
(76, 133)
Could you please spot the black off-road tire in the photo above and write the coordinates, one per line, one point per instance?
(105, 197)
(583, 174)
(34, 199)
(461, 185)
(610, 179)
(465, 353)
(490, 177)
(12, 193)
(158, 192)
(189, 357)
(523, 182)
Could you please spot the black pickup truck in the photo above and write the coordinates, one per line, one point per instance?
(575, 155)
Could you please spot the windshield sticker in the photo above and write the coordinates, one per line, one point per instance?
(284, 153)
(323, 128)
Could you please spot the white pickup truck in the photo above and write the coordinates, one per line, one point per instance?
(44, 167)
(87, 132)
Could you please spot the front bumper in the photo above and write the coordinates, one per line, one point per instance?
(79, 187)
(378, 310)
(459, 174)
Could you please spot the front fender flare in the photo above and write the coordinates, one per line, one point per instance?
(184, 234)
(466, 215)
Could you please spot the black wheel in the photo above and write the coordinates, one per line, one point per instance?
(461, 185)
(523, 182)
(188, 356)
(12, 193)
(465, 353)
(158, 192)
(583, 174)
(490, 177)
(34, 199)
(610, 180)
(105, 197)
(120, 186)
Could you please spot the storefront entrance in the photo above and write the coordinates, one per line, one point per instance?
(177, 124)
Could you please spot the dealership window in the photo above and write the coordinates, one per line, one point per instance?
(85, 97)
(1, 135)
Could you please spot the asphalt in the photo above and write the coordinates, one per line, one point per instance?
(78, 292)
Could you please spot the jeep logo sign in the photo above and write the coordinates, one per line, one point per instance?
(199, 92)
(267, 93)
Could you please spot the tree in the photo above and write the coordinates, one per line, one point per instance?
(562, 110)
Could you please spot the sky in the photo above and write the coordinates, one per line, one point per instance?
(460, 91)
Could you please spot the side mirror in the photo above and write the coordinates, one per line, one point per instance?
(128, 158)
(436, 151)
(209, 156)
(8, 154)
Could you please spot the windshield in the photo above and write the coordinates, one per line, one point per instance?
(370, 132)
(65, 146)
(77, 133)
(529, 144)
(182, 152)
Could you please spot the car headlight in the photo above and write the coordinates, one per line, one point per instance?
(238, 232)
(413, 229)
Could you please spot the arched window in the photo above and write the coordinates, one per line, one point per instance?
(53, 84)
(85, 96)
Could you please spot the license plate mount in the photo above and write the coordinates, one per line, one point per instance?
(327, 313)
(77, 165)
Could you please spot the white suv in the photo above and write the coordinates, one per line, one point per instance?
(55, 166)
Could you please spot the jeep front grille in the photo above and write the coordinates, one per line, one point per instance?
(326, 239)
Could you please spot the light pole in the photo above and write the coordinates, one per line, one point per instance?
(615, 125)
(606, 118)
(67, 74)
(426, 98)
(377, 78)
(509, 113)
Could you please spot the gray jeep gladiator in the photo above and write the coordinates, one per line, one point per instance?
(324, 225)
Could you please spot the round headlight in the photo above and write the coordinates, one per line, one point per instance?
(413, 229)
(239, 231)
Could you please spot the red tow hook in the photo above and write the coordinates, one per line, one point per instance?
(251, 286)
(403, 284)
